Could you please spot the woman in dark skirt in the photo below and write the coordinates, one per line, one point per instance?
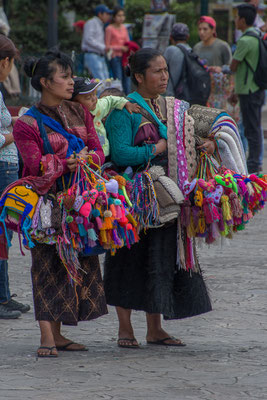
(147, 276)
(57, 300)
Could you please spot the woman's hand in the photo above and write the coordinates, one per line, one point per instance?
(72, 163)
(217, 70)
(161, 146)
(132, 107)
(124, 48)
(72, 160)
(233, 99)
(208, 146)
(9, 138)
(14, 120)
(84, 153)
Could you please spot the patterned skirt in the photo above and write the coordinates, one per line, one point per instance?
(146, 278)
(55, 299)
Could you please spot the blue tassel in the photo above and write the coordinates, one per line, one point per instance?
(82, 230)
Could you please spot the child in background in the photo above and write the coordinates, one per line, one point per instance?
(85, 93)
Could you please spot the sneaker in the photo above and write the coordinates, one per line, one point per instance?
(14, 305)
(5, 313)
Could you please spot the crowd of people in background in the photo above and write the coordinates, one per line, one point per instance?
(77, 106)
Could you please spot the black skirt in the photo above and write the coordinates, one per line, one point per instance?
(146, 278)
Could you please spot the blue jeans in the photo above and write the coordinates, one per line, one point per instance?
(97, 65)
(250, 106)
(118, 73)
(8, 174)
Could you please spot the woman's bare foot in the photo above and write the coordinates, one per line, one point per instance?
(47, 351)
(161, 337)
(47, 347)
(63, 343)
(126, 334)
(157, 335)
(128, 343)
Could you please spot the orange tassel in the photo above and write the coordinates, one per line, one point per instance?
(103, 236)
(201, 223)
(131, 219)
(113, 210)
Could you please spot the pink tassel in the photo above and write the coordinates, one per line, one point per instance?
(237, 210)
(99, 222)
(195, 212)
(221, 221)
(210, 211)
(242, 187)
(186, 213)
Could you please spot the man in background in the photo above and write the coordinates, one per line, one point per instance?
(93, 42)
(175, 57)
(251, 97)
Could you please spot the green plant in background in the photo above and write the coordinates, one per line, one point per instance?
(187, 12)
(28, 21)
(135, 11)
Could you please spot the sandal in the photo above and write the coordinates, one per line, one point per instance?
(48, 355)
(66, 347)
(162, 342)
(129, 345)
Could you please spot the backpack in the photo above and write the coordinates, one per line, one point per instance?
(194, 85)
(260, 74)
(18, 206)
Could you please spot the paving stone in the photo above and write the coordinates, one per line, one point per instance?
(225, 357)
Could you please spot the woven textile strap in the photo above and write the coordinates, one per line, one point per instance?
(171, 142)
(190, 145)
(181, 159)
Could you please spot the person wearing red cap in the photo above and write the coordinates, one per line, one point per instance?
(79, 25)
(212, 50)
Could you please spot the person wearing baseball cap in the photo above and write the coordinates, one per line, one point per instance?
(214, 51)
(174, 55)
(85, 94)
(93, 42)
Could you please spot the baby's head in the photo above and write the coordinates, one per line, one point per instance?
(85, 92)
(111, 92)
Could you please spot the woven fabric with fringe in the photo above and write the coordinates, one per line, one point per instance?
(204, 118)
(171, 143)
(190, 145)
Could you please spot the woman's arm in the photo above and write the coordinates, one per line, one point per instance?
(93, 142)
(30, 146)
(121, 127)
(5, 140)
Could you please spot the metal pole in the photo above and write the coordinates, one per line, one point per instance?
(204, 10)
(52, 36)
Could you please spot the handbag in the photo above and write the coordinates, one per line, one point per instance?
(168, 194)
(18, 207)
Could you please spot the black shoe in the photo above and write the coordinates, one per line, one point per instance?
(5, 313)
(14, 305)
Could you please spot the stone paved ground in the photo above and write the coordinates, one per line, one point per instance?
(225, 357)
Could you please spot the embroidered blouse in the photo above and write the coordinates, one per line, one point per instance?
(132, 137)
(75, 119)
(8, 153)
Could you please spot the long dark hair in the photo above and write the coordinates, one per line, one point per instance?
(45, 67)
(116, 11)
(7, 48)
(139, 62)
